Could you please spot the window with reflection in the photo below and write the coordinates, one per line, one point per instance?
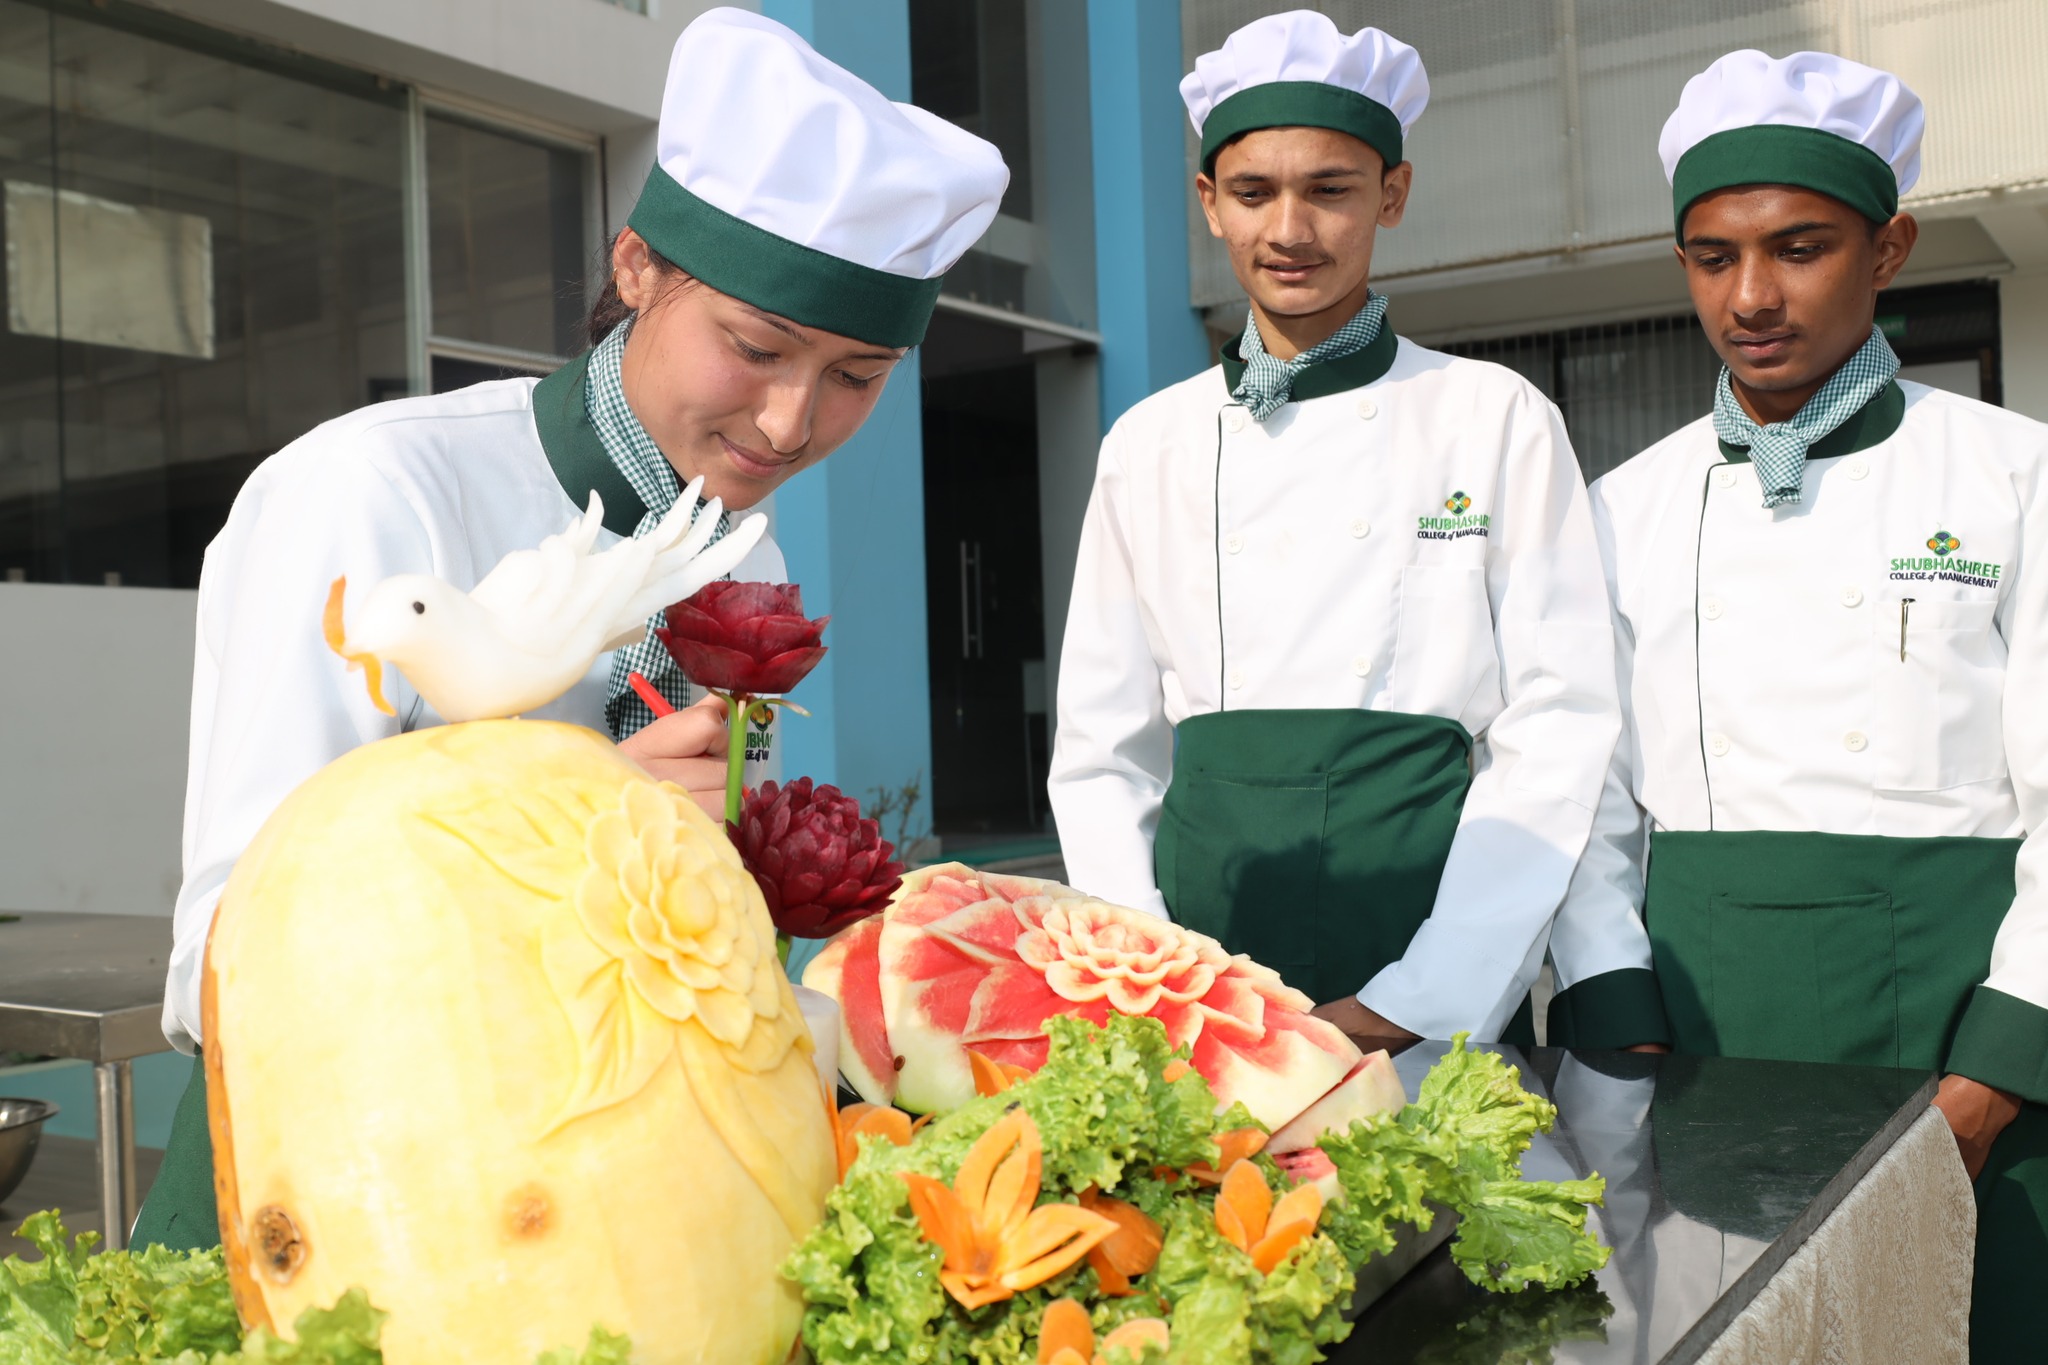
(204, 259)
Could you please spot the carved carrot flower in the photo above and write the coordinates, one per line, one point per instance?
(1250, 1220)
(855, 1121)
(1132, 1250)
(995, 1241)
(992, 1077)
(1067, 1337)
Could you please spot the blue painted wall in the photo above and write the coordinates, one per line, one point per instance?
(852, 528)
(1151, 337)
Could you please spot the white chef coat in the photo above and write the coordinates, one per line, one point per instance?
(1778, 701)
(1419, 544)
(444, 485)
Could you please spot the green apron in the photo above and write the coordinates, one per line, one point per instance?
(180, 1211)
(1856, 949)
(1313, 840)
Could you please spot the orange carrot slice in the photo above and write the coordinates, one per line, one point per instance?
(1274, 1246)
(1303, 1202)
(1135, 1335)
(1134, 1247)
(1230, 1223)
(992, 1077)
(849, 1123)
(1065, 1327)
(1233, 1147)
(1176, 1069)
(1113, 1282)
(1246, 1191)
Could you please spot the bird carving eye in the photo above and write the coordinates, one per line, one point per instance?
(419, 608)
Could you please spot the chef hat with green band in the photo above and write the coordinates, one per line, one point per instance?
(793, 185)
(1298, 70)
(1811, 120)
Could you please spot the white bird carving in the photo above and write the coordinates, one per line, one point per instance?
(538, 620)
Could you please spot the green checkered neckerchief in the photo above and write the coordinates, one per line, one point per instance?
(1779, 450)
(654, 479)
(1268, 383)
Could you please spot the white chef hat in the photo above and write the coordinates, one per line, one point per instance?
(1812, 119)
(1298, 70)
(783, 180)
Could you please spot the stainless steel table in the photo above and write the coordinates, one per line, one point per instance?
(91, 987)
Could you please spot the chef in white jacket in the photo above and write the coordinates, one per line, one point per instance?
(1831, 598)
(785, 252)
(1337, 682)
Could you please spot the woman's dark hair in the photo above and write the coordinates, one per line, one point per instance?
(610, 310)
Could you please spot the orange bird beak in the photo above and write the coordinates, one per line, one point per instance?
(373, 672)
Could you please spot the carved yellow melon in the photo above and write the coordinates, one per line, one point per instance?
(495, 1029)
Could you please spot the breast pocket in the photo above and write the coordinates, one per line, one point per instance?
(1445, 663)
(1936, 710)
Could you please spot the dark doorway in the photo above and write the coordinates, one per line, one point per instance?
(984, 592)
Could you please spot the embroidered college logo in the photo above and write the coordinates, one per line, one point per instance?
(1946, 566)
(1461, 522)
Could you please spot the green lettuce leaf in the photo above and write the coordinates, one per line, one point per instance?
(1519, 1233)
(1479, 1099)
(1387, 1171)
(603, 1348)
(72, 1307)
(1460, 1145)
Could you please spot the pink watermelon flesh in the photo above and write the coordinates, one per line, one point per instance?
(947, 977)
(1312, 1166)
(940, 939)
(848, 970)
(1371, 1088)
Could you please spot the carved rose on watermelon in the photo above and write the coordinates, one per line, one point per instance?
(975, 961)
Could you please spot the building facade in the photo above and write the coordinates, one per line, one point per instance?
(226, 221)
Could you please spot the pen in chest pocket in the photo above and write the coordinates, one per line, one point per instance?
(1905, 610)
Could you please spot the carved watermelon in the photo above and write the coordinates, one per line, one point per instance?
(1372, 1088)
(967, 960)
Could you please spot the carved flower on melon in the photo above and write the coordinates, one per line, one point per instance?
(967, 961)
(670, 952)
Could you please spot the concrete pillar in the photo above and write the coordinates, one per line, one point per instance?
(1151, 337)
(2023, 342)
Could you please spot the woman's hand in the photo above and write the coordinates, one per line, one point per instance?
(1976, 1114)
(688, 749)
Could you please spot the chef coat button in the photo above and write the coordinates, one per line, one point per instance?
(1855, 741)
(1236, 679)
(1856, 469)
(1724, 478)
(1719, 745)
(1361, 665)
(1710, 607)
(1233, 420)
(1368, 409)
(1852, 597)
(1233, 542)
(1361, 528)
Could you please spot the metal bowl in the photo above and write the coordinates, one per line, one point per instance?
(21, 1128)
